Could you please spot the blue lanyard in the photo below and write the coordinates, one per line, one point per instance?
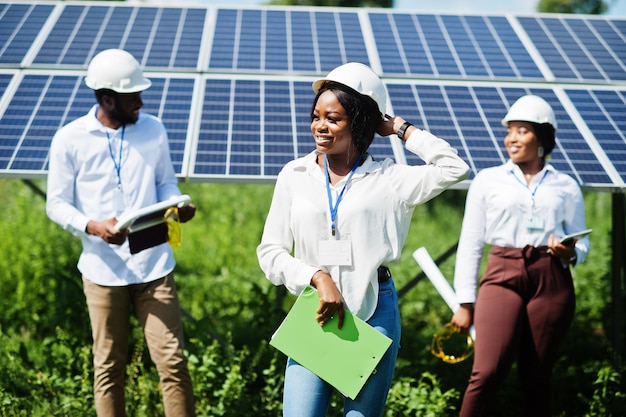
(333, 210)
(533, 192)
(118, 164)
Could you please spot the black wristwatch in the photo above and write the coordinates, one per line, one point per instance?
(403, 129)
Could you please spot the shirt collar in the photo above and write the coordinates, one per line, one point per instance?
(510, 166)
(94, 125)
(309, 162)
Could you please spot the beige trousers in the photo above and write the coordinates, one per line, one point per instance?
(157, 308)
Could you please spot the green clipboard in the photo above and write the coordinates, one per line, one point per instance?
(345, 358)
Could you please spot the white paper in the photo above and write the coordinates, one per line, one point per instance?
(440, 282)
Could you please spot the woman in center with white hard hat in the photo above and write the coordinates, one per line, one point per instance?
(340, 199)
(525, 303)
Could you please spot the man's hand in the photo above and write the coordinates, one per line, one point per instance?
(186, 213)
(106, 230)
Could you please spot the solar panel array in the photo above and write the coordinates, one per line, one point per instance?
(233, 84)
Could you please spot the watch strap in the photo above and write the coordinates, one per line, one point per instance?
(403, 129)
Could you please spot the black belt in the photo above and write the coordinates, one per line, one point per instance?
(383, 274)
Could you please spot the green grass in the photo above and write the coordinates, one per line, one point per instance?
(231, 311)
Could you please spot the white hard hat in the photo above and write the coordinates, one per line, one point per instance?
(360, 78)
(530, 108)
(117, 70)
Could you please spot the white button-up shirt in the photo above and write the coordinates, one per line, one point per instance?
(82, 180)
(498, 210)
(374, 214)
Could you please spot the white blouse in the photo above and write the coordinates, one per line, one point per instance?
(374, 214)
(501, 209)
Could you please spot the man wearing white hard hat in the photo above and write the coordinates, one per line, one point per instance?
(339, 199)
(525, 302)
(109, 161)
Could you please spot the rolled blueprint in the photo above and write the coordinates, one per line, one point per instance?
(440, 282)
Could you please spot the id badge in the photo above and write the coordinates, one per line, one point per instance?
(118, 200)
(335, 252)
(535, 223)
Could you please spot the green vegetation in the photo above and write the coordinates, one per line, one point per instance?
(231, 310)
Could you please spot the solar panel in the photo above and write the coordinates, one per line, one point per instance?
(604, 113)
(580, 49)
(20, 25)
(451, 46)
(233, 84)
(160, 38)
(311, 41)
(44, 103)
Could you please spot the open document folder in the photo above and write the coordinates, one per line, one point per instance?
(345, 358)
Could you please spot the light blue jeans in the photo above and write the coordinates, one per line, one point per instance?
(306, 395)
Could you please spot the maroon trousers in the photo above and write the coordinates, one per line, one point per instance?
(524, 309)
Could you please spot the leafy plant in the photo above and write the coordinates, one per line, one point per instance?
(230, 311)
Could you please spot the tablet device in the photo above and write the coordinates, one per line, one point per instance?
(568, 238)
(151, 215)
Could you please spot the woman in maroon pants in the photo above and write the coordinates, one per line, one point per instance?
(525, 302)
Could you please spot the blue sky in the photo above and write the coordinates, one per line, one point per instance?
(461, 6)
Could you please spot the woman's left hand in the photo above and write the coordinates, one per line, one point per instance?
(390, 126)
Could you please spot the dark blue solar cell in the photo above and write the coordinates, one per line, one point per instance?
(328, 41)
(604, 44)
(5, 79)
(35, 111)
(19, 26)
(412, 46)
(443, 56)
(139, 37)
(386, 45)
(464, 46)
(157, 37)
(472, 128)
(352, 38)
(516, 53)
(55, 44)
(223, 48)
(286, 40)
(42, 104)
(491, 51)
(575, 46)
(277, 57)
(249, 42)
(550, 51)
(303, 98)
(188, 47)
(304, 55)
(603, 111)
(279, 138)
(116, 23)
(167, 31)
(211, 152)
